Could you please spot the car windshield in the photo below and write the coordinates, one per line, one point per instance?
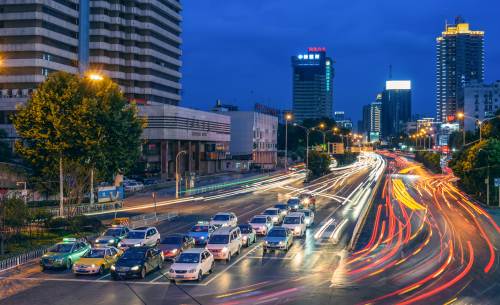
(307, 213)
(245, 229)
(271, 212)
(62, 248)
(280, 206)
(199, 229)
(112, 232)
(219, 239)
(188, 258)
(133, 254)
(293, 201)
(277, 233)
(258, 220)
(172, 240)
(221, 217)
(95, 253)
(135, 235)
(292, 220)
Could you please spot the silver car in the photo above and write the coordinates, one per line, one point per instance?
(261, 224)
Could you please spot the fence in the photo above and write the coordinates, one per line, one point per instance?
(14, 261)
(82, 209)
(220, 186)
(150, 219)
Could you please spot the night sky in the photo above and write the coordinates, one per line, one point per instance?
(239, 50)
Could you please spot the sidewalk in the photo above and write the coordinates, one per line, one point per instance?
(168, 192)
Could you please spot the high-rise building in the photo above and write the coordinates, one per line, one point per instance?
(366, 120)
(481, 101)
(137, 44)
(460, 59)
(375, 119)
(339, 116)
(396, 108)
(312, 85)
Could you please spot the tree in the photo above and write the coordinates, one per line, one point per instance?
(13, 217)
(79, 124)
(319, 164)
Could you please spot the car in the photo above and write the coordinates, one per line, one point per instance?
(112, 236)
(201, 232)
(64, 254)
(151, 181)
(97, 261)
(308, 201)
(278, 238)
(293, 204)
(224, 219)
(174, 244)
(309, 216)
(192, 264)
(248, 235)
(261, 224)
(283, 207)
(296, 222)
(275, 214)
(137, 262)
(142, 236)
(133, 186)
(225, 242)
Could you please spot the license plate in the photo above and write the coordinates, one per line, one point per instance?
(179, 276)
(81, 270)
(121, 273)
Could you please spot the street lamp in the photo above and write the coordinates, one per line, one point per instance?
(288, 117)
(177, 178)
(487, 175)
(307, 143)
(461, 116)
(94, 76)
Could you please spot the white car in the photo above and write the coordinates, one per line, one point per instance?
(224, 219)
(143, 236)
(261, 224)
(309, 216)
(225, 242)
(296, 222)
(275, 214)
(192, 264)
(133, 186)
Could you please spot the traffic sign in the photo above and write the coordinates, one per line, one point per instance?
(497, 182)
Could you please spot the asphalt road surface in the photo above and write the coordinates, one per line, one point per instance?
(425, 244)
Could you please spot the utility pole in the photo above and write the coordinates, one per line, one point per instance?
(61, 187)
(177, 178)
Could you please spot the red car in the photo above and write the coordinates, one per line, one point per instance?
(173, 245)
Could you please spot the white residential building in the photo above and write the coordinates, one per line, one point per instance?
(481, 101)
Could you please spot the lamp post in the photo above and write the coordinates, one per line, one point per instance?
(461, 116)
(322, 127)
(288, 117)
(307, 143)
(487, 181)
(177, 178)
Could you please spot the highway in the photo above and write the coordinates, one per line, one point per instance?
(423, 243)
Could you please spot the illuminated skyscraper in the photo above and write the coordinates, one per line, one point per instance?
(312, 85)
(460, 59)
(396, 108)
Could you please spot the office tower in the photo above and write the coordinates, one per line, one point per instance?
(481, 101)
(365, 122)
(312, 85)
(137, 44)
(396, 108)
(460, 59)
(375, 119)
(339, 116)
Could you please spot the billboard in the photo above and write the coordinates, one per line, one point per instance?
(398, 85)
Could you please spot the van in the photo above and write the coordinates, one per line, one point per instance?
(295, 222)
(225, 242)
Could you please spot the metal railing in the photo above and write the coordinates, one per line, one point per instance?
(151, 218)
(23, 258)
(76, 210)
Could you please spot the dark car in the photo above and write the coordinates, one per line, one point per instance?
(173, 245)
(137, 262)
(294, 204)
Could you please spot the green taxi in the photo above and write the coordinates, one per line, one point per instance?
(64, 254)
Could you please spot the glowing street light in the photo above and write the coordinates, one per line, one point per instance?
(288, 117)
(95, 76)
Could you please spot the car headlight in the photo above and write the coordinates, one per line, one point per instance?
(113, 267)
(275, 218)
(281, 243)
(137, 245)
(306, 200)
(224, 250)
(245, 237)
(119, 244)
(202, 237)
(97, 240)
(112, 241)
(297, 229)
(266, 242)
(93, 266)
(192, 271)
(135, 268)
(173, 251)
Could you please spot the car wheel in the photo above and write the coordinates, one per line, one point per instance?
(239, 250)
(200, 276)
(211, 267)
(68, 264)
(157, 242)
(248, 243)
(43, 268)
(143, 272)
(228, 257)
(101, 270)
(172, 281)
(264, 250)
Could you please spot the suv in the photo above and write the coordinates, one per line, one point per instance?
(225, 242)
(143, 236)
(112, 236)
(224, 220)
(296, 222)
(294, 204)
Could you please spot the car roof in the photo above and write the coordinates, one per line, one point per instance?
(102, 248)
(194, 250)
(304, 210)
(173, 235)
(278, 228)
(271, 209)
(260, 216)
(224, 230)
(225, 213)
(142, 228)
(295, 214)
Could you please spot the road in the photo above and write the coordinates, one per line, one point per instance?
(424, 243)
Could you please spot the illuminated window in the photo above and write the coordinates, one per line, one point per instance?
(327, 62)
(316, 56)
(306, 56)
(301, 56)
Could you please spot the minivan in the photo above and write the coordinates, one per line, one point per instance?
(225, 242)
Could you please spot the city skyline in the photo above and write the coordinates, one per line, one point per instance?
(233, 59)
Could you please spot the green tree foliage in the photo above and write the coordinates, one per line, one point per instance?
(88, 123)
(431, 160)
(471, 165)
(319, 164)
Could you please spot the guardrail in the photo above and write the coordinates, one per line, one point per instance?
(220, 186)
(150, 219)
(17, 260)
(82, 209)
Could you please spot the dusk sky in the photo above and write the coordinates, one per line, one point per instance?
(239, 50)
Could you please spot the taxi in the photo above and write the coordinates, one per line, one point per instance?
(97, 261)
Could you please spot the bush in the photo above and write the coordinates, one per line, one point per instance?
(431, 160)
(57, 223)
(85, 223)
